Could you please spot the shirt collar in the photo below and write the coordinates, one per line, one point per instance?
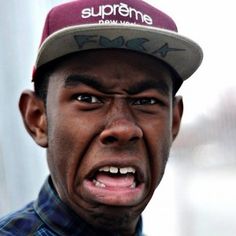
(61, 219)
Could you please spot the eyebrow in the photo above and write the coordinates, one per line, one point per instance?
(93, 82)
(158, 85)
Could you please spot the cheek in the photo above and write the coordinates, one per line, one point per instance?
(67, 143)
(158, 141)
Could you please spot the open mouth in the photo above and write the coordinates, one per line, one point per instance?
(113, 177)
(115, 185)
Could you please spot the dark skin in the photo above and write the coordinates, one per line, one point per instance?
(106, 109)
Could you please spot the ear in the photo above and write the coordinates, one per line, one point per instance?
(33, 113)
(178, 108)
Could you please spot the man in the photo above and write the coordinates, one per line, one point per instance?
(104, 107)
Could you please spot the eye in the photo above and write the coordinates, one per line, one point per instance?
(145, 101)
(87, 98)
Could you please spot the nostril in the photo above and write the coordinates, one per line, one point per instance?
(121, 132)
(110, 140)
(133, 139)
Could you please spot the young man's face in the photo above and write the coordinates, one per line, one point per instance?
(111, 120)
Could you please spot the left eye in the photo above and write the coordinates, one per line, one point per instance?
(86, 98)
(145, 101)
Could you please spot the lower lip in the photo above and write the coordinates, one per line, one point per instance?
(113, 196)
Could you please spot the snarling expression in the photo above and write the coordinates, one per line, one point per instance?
(111, 119)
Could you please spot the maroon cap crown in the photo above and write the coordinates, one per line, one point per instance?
(126, 24)
(81, 12)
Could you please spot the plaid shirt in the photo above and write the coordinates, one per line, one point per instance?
(49, 216)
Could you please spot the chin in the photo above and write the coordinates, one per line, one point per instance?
(116, 219)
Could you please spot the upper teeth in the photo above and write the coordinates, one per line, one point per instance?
(115, 170)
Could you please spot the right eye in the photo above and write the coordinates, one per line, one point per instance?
(87, 98)
(145, 101)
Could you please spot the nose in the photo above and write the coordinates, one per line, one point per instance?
(121, 132)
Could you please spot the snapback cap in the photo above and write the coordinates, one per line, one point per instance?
(126, 24)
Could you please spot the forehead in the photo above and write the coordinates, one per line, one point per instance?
(113, 67)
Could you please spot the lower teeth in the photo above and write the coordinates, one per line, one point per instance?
(99, 184)
(102, 185)
(133, 185)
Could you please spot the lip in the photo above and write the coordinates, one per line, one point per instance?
(115, 195)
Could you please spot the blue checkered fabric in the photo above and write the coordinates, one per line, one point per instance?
(49, 216)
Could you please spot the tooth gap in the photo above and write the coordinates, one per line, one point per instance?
(116, 170)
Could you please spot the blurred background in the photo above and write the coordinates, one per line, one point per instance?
(197, 196)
